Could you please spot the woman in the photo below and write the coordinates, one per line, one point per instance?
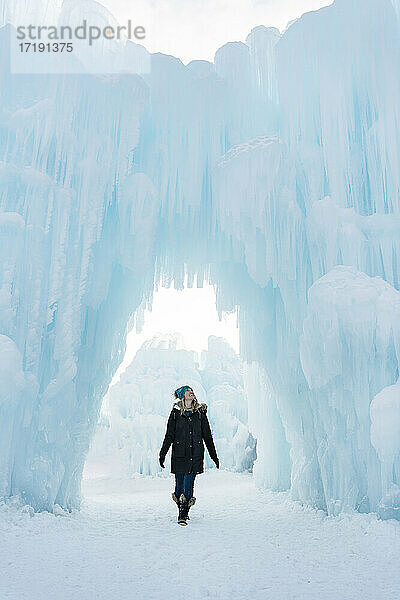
(187, 427)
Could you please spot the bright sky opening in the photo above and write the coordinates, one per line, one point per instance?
(190, 312)
(195, 29)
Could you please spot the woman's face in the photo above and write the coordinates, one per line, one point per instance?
(189, 395)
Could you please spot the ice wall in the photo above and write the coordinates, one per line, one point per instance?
(323, 191)
(268, 172)
(385, 435)
(273, 465)
(353, 326)
(222, 378)
(66, 247)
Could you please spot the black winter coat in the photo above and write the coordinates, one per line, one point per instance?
(186, 434)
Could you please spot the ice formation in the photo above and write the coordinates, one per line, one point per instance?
(135, 410)
(274, 173)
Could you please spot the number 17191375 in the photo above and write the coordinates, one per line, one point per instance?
(43, 47)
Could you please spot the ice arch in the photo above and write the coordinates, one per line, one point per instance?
(273, 173)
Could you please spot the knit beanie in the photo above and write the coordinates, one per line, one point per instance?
(180, 392)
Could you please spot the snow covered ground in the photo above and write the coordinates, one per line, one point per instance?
(240, 543)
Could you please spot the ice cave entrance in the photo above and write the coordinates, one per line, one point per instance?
(178, 340)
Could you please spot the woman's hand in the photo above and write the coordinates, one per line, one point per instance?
(162, 462)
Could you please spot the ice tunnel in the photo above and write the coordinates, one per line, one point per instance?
(264, 173)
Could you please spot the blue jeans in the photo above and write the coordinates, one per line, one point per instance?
(184, 482)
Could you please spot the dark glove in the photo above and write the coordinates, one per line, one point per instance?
(162, 462)
(217, 462)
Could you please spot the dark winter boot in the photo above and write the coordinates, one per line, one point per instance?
(182, 510)
(175, 499)
(190, 503)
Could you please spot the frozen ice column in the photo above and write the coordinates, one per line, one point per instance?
(350, 350)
